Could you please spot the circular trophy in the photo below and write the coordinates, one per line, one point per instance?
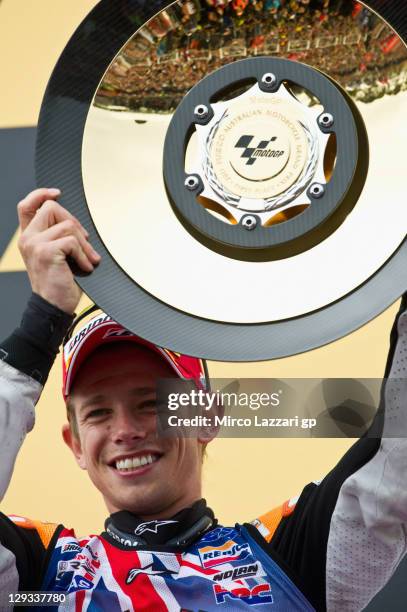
(240, 168)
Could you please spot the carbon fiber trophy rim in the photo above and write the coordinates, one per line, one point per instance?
(58, 162)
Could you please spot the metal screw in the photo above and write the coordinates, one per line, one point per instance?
(317, 190)
(326, 120)
(201, 111)
(249, 222)
(192, 183)
(269, 80)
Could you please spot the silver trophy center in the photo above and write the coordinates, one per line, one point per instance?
(262, 152)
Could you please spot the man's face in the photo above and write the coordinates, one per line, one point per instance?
(114, 398)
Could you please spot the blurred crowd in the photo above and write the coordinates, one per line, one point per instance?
(188, 41)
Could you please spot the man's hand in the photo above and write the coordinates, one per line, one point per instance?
(49, 235)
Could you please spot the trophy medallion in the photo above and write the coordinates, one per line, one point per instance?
(262, 155)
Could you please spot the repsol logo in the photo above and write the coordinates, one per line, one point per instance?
(227, 553)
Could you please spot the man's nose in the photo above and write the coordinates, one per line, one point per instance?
(127, 427)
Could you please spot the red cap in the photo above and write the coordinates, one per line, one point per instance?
(102, 329)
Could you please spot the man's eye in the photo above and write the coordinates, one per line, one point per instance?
(148, 407)
(98, 412)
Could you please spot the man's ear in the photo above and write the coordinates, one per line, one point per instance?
(74, 444)
(208, 432)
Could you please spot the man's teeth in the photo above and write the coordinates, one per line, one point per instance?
(135, 462)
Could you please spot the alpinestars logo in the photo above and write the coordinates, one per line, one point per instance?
(133, 573)
(253, 153)
(151, 526)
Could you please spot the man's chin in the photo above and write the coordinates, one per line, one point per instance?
(139, 491)
(146, 503)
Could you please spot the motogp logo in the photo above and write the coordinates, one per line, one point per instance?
(252, 153)
(259, 594)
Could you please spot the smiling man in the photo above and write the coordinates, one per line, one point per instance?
(110, 380)
(162, 549)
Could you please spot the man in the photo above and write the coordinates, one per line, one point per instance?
(162, 548)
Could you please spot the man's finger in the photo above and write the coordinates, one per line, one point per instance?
(28, 207)
(51, 213)
(70, 228)
(70, 246)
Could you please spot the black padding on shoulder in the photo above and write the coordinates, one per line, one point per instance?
(29, 551)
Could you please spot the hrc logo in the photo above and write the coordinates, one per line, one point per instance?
(259, 594)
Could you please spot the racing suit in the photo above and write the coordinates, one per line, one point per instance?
(333, 548)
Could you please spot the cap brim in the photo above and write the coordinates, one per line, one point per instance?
(97, 337)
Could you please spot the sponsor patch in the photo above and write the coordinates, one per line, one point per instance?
(226, 553)
(218, 534)
(252, 596)
(71, 547)
(80, 584)
(81, 562)
(243, 571)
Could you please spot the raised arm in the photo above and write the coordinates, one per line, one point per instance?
(367, 537)
(345, 536)
(49, 236)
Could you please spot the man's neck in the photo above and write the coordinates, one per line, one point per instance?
(161, 512)
(170, 510)
(179, 529)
